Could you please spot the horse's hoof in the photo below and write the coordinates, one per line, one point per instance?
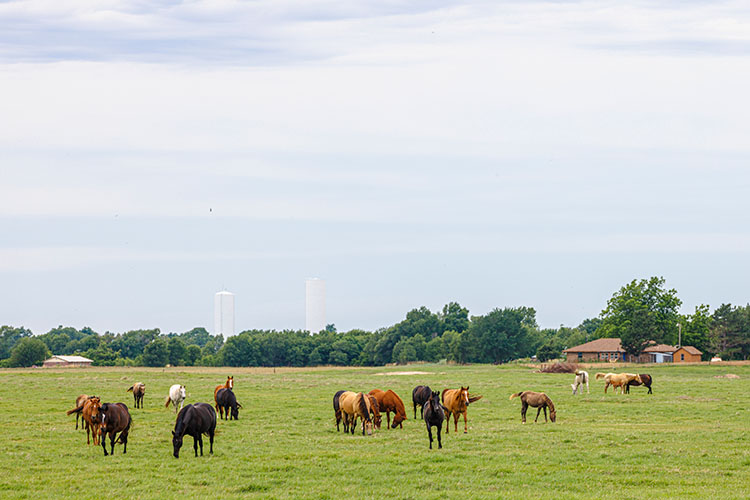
(466, 432)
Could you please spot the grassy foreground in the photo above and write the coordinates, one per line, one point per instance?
(691, 438)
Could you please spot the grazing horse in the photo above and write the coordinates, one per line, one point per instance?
(88, 410)
(617, 380)
(353, 405)
(388, 401)
(375, 411)
(226, 401)
(645, 380)
(538, 400)
(194, 420)
(419, 397)
(456, 402)
(229, 384)
(139, 390)
(114, 418)
(176, 397)
(337, 409)
(582, 378)
(433, 414)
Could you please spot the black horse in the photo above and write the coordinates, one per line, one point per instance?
(226, 401)
(114, 418)
(194, 420)
(645, 380)
(337, 409)
(433, 415)
(419, 397)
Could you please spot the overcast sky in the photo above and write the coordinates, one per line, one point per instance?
(498, 154)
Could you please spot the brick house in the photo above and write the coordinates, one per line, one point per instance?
(596, 350)
(687, 354)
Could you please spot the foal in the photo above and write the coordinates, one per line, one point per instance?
(538, 400)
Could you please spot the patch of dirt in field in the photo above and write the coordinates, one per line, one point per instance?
(403, 373)
(728, 375)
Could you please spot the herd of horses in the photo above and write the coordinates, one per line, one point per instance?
(102, 420)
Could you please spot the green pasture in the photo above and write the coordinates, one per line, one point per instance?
(691, 438)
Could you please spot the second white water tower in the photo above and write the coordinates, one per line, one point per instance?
(224, 314)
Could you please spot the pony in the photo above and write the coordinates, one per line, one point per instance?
(114, 418)
(226, 400)
(582, 377)
(194, 420)
(139, 390)
(375, 411)
(229, 384)
(79, 402)
(353, 405)
(87, 411)
(645, 380)
(617, 380)
(176, 397)
(456, 402)
(433, 414)
(337, 409)
(538, 400)
(388, 401)
(419, 397)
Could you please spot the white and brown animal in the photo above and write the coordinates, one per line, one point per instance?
(139, 390)
(618, 380)
(582, 378)
(176, 396)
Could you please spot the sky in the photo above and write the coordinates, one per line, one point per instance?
(496, 154)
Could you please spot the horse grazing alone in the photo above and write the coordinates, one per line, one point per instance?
(88, 410)
(617, 380)
(582, 378)
(538, 400)
(353, 405)
(176, 397)
(374, 411)
(229, 384)
(456, 402)
(388, 401)
(226, 401)
(419, 397)
(433, 414)
(139, 390)
(645, 380)
(195, 420)
(114, 418)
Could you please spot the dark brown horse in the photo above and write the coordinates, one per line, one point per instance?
(388, 401)
(114, 418)
(229, 384)
(433, 415)
(419, 397)
(456, 402)
(139, 390)
(645, 380)
(538, 400)
(194, 420)
(227, 401)
(88, 411)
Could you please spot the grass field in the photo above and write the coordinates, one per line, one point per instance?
(691, 438)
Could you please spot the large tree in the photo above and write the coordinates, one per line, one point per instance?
(28, 352)
(641, 311)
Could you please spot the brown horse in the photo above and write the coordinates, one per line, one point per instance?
(645, 381)
(354, 405)
(79, 402)
(538, 400)
(456, 402)
(337, 409)
(375, 411)
(390, 402)
(616, 380)
(87, 410)
(229, 384)
(114, 418)
(139, 390)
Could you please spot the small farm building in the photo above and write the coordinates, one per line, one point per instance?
(596, 350)
(65, 361)
(687, 354)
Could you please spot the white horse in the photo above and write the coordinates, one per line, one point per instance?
(176, 396)
(582, 377)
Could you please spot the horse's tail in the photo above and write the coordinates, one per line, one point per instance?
(474, 398)
(166, 403)
(600, 375)
(130, 389)
(585, 377)
(75, 410)
(442, 396)
(516, 395)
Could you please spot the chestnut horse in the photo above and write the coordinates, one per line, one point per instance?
(79, 402)
(88, 410)
(353, 405)
(538, 400)
(645, 381)
(229, 384)
(456, 402)
(375, 411)
(139, 390)
(114, 418)
(390, 402)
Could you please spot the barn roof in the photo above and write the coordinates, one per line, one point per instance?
(70, 359)
(691, 350)
(598, 345)
(661, 348)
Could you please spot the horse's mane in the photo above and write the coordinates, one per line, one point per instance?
(183, 419)
(549, 402)
(363, 407)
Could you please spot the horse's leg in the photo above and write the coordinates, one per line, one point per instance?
(466, 428)
(448, 423)
(211, 442)
(124, 441)
(112, 443)
(388, 417)
(545, 414)
(429, 433)
(104, 445)
(456, 415)
(440, 442)
(415, 408)
(200, 442)
(195, 443)
(538, 410)
(524, 407)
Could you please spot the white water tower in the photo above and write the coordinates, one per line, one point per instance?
(315, 305)
(224, 314)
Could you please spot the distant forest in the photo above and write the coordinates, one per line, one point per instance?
(640, 312)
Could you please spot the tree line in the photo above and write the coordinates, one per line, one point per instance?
(640, 312)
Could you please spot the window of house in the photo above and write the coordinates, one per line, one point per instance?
(682, 357)
(580, 355)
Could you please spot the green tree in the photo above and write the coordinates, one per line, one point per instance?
(156, 353)
(192, 355)
(455, 317)
(9, 336)
(177, 351)
(28, 352)
(696, 330)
